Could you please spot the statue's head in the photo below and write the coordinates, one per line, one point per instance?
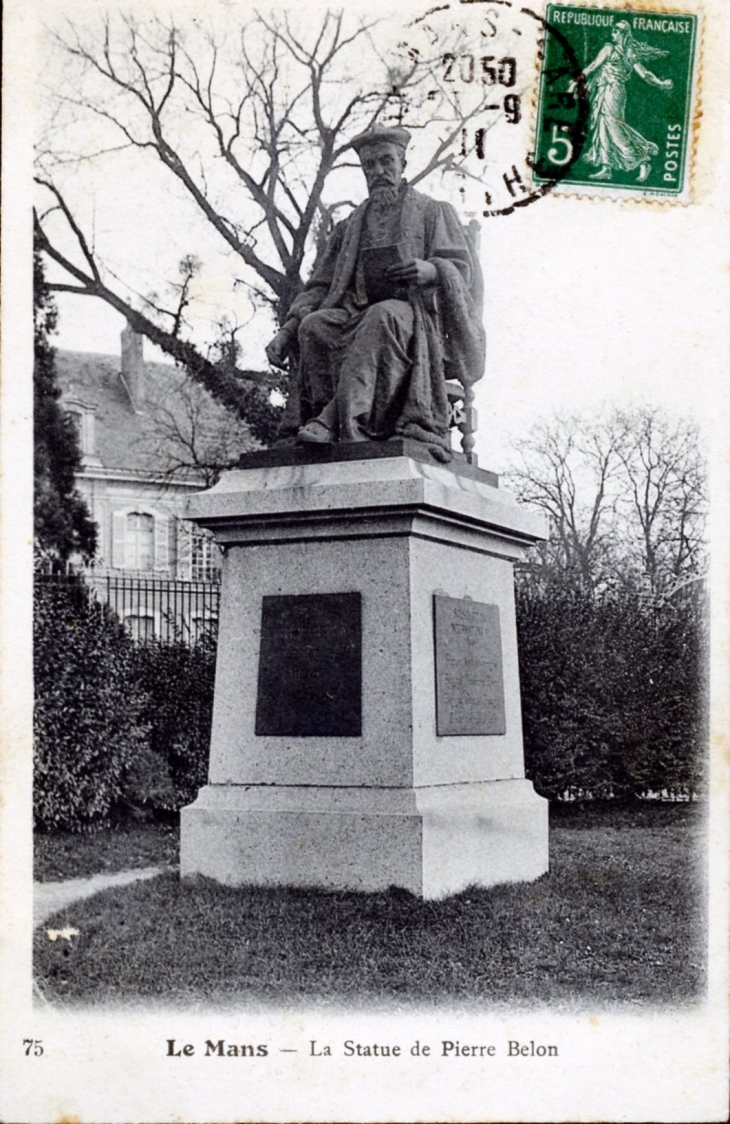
(382, 155)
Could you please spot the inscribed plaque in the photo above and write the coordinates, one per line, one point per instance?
(310, 666)
(469, 680)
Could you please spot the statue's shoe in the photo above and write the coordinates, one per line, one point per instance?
(601, 174)
(315, 433)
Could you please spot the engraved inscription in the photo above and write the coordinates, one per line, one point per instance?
(310, 666)
(469, 679)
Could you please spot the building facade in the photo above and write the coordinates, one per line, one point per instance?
(149, 438)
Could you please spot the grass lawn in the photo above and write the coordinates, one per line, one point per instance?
(69, 855)
(618, 919)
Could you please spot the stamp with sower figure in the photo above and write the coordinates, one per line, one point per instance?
(635, 72)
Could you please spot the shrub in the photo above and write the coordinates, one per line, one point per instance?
(177, 680)
(612, 693)
(87, 717)
(121, 730)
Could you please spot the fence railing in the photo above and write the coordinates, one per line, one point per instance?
(150, 608)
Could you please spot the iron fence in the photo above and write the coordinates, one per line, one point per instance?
(151, 608)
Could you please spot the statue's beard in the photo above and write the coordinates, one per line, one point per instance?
(384, 196)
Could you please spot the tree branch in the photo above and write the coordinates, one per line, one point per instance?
(223, 385)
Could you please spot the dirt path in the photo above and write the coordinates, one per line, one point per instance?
(49, 897)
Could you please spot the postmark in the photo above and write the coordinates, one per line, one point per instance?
(483, 63)
(638, 73)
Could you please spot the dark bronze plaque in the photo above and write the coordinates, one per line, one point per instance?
(469, 680)
(310, 666)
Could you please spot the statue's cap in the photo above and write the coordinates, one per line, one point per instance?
(381, 135)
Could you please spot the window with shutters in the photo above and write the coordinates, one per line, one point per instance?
(139, 542)
(206, 558)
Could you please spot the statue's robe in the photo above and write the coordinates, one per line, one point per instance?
(371, 371)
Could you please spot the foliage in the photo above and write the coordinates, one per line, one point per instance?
(62, 524)
(613, 691)
(87, 717)
(177, 679)
(121, 730)
(619, 919)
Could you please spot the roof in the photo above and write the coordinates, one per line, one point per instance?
(174, 414)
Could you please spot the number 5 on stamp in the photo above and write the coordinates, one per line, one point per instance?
(615, 107)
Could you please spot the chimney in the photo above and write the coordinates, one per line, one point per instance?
(133, 369)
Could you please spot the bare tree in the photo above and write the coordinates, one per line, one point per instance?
(187, 435)
(625, 494)
(251, 142)
(567, 469)
(665, 495)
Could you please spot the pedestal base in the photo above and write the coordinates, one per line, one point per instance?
(433, 841)
(366, 726)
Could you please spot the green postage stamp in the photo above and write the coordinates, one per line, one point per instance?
(616, 101)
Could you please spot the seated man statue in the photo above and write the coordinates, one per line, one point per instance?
(388, 315)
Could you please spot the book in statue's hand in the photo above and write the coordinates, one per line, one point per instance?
(377, 260)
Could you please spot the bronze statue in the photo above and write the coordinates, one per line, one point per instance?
(391, 311)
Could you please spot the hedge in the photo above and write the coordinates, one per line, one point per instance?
(613, 705)
(121, 730)
(89, 734)
(177, 679)
(613, 693)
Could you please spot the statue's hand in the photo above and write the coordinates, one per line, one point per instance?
(414, 272)
(667, 84)
(278, 349)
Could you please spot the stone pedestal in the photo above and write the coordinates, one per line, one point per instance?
(366, 728)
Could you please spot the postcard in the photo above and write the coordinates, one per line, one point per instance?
(364, 614)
